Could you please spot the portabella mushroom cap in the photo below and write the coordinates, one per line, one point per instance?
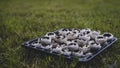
(95, 46)
(108, 36)
(100, 39)
(57, 49)
(73, 46)
(52, 35)
(45, 40)
(94, 34)
(81, 42)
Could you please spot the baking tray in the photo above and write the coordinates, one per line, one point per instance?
(84, 59)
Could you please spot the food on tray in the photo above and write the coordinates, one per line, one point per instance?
(76, 42)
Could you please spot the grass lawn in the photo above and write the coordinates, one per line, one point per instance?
(23, 20)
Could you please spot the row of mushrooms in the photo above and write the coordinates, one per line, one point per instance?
(76, 42)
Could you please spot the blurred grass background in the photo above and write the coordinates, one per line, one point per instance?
(23, 20)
